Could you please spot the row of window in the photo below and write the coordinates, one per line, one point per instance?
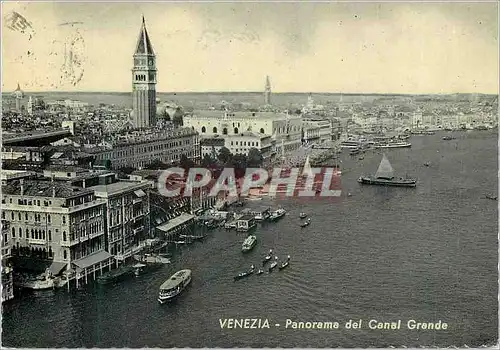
(37, 217)
(129, 151)
(35, 234)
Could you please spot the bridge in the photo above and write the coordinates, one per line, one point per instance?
(34, 139)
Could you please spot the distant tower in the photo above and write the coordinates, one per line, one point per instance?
(18, 95)
(30, 106)
(267, 93)
(144, 81)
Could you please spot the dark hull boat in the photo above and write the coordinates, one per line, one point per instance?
(242, 275)
(385, 177)
(488, 196)
(117, 275)
(372, 180)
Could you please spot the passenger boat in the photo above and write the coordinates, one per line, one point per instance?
(303, 215)
(277, 214)
(174, 285)
(393, 145)
(249, 243)
(273, 264)
(385, 177)
(306, 223)
(116, 275)
(268, 257)
(284, 264)
(152, 259)
(244, 274)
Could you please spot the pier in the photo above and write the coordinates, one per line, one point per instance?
(180, 225)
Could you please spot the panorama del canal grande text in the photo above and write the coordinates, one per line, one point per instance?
(373, 324)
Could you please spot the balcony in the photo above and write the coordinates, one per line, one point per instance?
(138, 230)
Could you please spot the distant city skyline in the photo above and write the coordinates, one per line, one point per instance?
(357, 48)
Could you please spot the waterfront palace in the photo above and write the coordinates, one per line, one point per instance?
(286, 130)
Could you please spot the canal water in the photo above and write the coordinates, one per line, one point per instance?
(387, 254)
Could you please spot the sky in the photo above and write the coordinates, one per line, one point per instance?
(414, 48)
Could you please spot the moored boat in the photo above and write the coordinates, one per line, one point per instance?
(385, 177)
(261, 271)
(142, 268)
(174, 285)
(303, 215)
(116, 275)
(249, 243)
(277, 214)
(489, 196)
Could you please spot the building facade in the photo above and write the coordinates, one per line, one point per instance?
(7, 272)
(286, 130)
(53, 222)
(127, 216)
(138, 151)
(243, 143)
(144, 81)
(211, 146)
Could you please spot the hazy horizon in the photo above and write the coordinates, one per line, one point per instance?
(337, 48)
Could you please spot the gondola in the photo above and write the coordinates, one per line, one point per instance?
(488, 196)
(244, 274)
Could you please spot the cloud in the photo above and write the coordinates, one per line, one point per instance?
(349, 47)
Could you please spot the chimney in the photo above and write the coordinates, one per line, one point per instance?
(22, 186)
(53, 186)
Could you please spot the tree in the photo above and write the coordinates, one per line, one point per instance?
(224, 155)
(166, 116)
(254, 159)
(156, 164)
(207, 161)
(185, 162)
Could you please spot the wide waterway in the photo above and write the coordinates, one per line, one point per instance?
(428, 254)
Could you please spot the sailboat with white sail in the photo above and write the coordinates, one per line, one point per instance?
(307, 171)
(385, 177)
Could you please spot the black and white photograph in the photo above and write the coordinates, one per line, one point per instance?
(265, 174)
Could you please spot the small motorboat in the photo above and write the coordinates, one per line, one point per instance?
(284, 264)
(303, 215)
(306, 223)
(268, 257)
(261, 271)
(244, 274)
(489, 196)
(273, 264)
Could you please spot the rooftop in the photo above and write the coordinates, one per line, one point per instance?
(240, 115)
(41, 188)
(117, 187)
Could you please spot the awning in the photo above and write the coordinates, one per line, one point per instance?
(92, 259)
(57, 267)
(140, 193)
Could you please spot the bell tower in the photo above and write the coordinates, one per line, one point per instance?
(267, 92)
(144, 81)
